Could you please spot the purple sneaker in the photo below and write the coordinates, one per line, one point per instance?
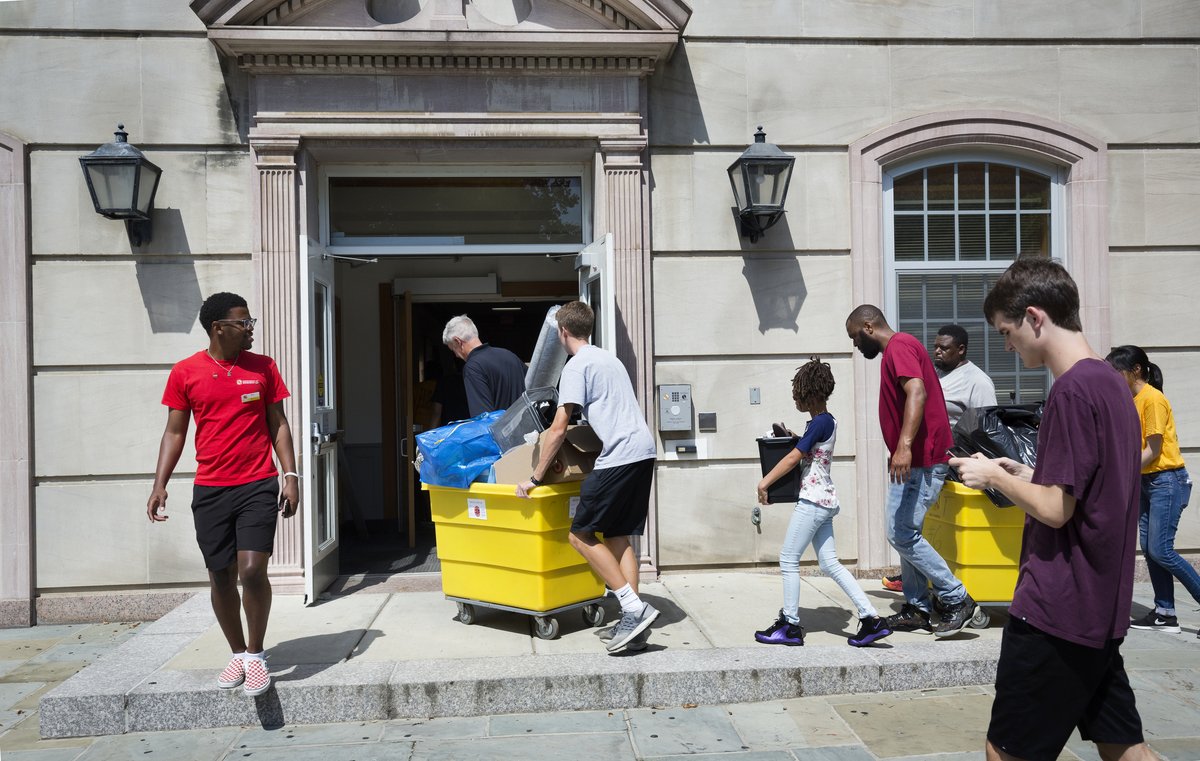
(781, 633)
(870, 629)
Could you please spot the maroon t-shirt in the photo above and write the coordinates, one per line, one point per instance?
(1076, 582)
(903, 358)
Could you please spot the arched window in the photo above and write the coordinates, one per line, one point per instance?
(954, 222)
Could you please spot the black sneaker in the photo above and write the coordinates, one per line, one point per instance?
(870, 629)
(1154, 621)
(909, 619)
(955, 617)
(781, 633)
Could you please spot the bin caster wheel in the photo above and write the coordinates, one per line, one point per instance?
(545, 628)
(981, 619)
(466, 613)
(593, 615)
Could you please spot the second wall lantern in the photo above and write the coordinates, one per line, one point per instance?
(760, 178)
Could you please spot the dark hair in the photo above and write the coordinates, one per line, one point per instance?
(865, 313)
(957, 332)
(217, 307)
(577, 317)
(813, 382)
(1131, 358)
(1038, 283)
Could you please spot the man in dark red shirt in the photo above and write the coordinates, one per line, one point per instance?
(236, 398)
(1060, 659)
(912, 415)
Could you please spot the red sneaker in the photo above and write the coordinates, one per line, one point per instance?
(233, 675)
(258, 677)
(893, 583)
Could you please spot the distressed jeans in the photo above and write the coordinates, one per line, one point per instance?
(920, 564)
(813, 524)
(1164, 495)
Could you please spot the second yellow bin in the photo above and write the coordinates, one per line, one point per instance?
(979, 541)
(497, 548)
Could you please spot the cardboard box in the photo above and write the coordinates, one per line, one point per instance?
(573, 462)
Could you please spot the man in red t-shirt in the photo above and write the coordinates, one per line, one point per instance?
(236, 397)
(912, 415)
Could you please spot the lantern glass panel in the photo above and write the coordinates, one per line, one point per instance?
(767, 183)
(738, 176)
(147, 178)
(113, 185)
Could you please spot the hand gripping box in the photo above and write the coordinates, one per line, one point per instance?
(574, 460)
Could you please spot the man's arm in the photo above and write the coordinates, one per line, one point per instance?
(1050, 504)
(169, 450)
(555, 435)
(281, 439)
(915, 395)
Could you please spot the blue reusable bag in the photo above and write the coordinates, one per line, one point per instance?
(455, 455)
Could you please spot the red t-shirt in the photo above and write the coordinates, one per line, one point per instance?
(233, 444)
(905, 357)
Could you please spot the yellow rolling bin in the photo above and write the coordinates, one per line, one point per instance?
(979, 541)
(500, 551)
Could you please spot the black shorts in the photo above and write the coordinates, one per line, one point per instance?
(1046, 686)
(614, 501)
(232, 518)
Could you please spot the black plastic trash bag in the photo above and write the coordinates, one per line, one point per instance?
(1003, 431)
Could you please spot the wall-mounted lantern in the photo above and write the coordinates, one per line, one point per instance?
(760, 178)
(122, 183)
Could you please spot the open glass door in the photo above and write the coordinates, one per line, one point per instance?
(594, 265)
(407, 444)
(319, 468)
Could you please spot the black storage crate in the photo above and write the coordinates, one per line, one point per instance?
(770, 451)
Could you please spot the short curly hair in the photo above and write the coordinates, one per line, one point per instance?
(217, 307)
(812, 383)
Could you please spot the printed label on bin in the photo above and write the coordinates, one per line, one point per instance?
(477, 508)
(572, 507)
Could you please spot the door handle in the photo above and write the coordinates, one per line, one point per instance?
(404, 447)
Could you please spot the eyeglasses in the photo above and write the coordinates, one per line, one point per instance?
(246, 324)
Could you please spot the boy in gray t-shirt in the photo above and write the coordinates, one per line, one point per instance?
(615, 496)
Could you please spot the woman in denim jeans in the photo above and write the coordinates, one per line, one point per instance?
(1166, 488)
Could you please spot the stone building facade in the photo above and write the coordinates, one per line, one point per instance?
(934, 140)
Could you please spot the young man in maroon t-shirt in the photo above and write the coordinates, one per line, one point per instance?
(1060, 661)
(912, 415)
(235, 397)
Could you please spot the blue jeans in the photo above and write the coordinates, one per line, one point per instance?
(920, 564)
(1164, 495)
(813, 524)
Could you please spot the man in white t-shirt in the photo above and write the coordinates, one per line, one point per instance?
(964, 385)
(615, 496)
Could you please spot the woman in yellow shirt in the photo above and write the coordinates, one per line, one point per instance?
(1166, 488)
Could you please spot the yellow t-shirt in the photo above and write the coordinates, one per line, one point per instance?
(1157, 418)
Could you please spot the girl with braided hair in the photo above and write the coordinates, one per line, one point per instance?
(812, 518)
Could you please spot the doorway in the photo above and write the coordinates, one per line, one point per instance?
(428, 382)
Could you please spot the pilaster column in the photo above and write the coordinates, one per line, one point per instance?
(624, 211)
(277, 270)
(16, 440)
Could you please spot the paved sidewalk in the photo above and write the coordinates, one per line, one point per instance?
(714, 616)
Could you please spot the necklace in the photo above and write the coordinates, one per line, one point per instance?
(229, 370)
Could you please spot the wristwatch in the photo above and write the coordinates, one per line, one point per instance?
(534, 481)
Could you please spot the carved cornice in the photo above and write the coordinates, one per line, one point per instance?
(393, 63)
